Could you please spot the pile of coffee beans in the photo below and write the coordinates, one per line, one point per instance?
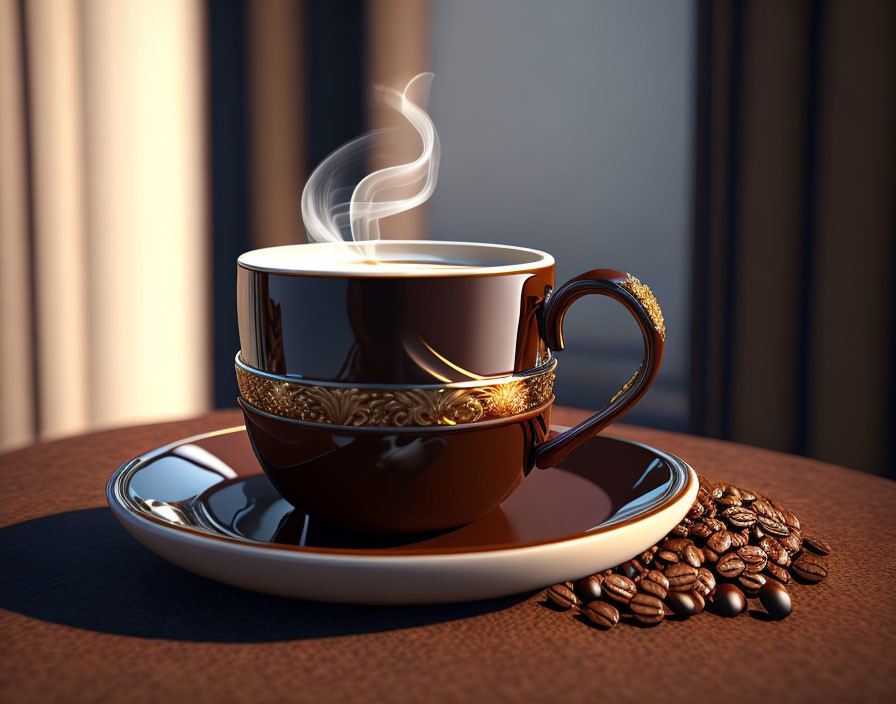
(733, 545)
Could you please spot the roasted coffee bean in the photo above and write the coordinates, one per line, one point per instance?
(655, 583)
(727, 600)
(666, 557)
(700, 531)
(692, 555)
(588, 588)
(732, 491)
(773, 526)
(763, 508)
(776, 599)
(738, 517)
(680, 531)
(646, 605)
(816, 545)
(809, 567)
(778, 573)
(717, 491)
(619, 588)
(676, 545)
(746, 495)
(681, 577)
(757, 532)
(709, 555)
(750, 583)
(646, 557)
(562, 596)
(791, 520)
(791, 543)
(754, 558)
(729, 565)
(681, 603)
(738, 540)
(699, 601)
(632, 569)
(697, 509)
(705, 582)
(719, 542)
(601, 614)
(729, 500)
(775, 551)
(714, 524)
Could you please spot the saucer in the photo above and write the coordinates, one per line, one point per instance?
(202, 504)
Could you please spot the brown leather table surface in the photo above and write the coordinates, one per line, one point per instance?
(87, 614)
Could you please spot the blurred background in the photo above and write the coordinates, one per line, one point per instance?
(736, 156)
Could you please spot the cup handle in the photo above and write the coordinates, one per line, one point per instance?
(641, 303)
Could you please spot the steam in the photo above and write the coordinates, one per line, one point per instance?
(327, 208)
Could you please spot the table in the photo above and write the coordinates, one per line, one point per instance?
(90, 615)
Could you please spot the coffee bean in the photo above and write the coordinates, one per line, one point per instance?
(732, 491)
(646, 557)
(727, 600)
(728, 500)
(632, 569)
(809, 567)
(754, 558)
(717, 491)
(588, 588)
(747, 496)
(699, 601)
(779, 573)
(757, 532)
(676, 545)
(619, 588)
(714, 524)
(791, 543)
(750, 583)
(655, 583)
(705, 582)
(775, 551)
(681, 530)
(773, 526)
(700, 531)
(696, 510)
(738, 540)
(681, 577)
(729, 565)
(791, 520)
(776, 600)
(816, 545)
(739, 517)
(601, 614)
(681, 603)
(646, 605)
(709, 555)
(719, 542)
(666, 557)
(692, 555)
(763, 508)
(562, 596)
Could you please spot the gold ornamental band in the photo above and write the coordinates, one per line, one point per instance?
(450, 404)
(646, 298)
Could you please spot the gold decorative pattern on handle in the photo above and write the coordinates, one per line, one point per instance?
(646, 298)
(399, 408)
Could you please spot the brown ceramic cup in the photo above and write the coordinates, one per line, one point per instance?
(406, 386)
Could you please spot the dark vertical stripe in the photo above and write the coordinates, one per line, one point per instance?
(702, 206)
(803, 372)
(732, 201)
(336, 75)
(29, 210)
(229, 182)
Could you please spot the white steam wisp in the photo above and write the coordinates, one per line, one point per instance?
(326, 209)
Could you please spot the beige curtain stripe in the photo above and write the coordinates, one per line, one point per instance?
(277, 118)
(57, 152)
(16, 389)
(146, 195)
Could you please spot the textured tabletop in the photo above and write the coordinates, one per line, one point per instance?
(87, 614)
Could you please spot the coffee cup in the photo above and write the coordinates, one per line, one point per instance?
(406, 386)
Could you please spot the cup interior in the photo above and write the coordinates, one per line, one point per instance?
(395, 258)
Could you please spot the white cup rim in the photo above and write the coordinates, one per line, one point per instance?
(436, 258)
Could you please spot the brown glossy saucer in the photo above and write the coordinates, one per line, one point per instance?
(203, 504)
